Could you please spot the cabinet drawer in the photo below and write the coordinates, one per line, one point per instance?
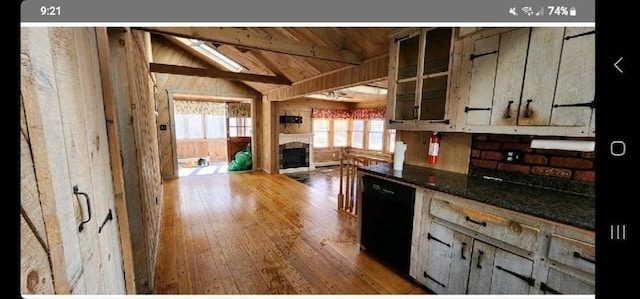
(562, 283)
(573, 253)
(503, 229)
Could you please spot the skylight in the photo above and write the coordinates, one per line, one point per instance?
(212, 53)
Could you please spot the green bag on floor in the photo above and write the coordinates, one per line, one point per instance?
(242, 160)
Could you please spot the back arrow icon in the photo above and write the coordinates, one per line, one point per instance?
(616, 65)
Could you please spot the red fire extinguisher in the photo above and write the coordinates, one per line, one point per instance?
(434, 147)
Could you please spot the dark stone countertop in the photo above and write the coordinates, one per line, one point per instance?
(568, 208)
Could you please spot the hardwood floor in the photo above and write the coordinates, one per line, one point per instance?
(254, 233)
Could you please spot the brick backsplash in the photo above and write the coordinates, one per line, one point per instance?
(487, 151)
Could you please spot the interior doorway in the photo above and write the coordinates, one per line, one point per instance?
(212, 135)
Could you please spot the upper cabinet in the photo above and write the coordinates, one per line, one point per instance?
(419, 78)
(538, 81)
(531, 81)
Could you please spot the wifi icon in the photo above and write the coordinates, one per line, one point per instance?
(527, 10)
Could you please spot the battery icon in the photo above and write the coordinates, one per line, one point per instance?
(572, 11)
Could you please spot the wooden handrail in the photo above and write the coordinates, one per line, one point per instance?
(349, 163)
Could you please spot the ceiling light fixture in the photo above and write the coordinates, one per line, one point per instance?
(366, 89)
(209, 51)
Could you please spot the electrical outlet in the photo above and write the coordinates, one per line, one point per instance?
(514, 156)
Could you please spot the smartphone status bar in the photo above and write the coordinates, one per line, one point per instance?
(305, 11)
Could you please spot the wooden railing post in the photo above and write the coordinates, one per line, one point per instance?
(341, 195)
(349, 184)
(347, 193)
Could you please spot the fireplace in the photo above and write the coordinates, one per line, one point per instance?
(294, 157)
(295, 152)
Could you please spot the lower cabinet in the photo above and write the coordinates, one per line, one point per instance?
(572, 267)
(459, 264)
(496, 271)
(448, 258)
(559, 282)
(460, 246)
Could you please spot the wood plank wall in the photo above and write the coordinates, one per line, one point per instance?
(303, 107)
(35, 266)
(216, 149)
(269, 130)
(166, 52)
(369, 104)
(455, 149)
(135, 101)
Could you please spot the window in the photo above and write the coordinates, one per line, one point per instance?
(189, 126)
(240, 127)
(357, 133)
(376, 128)
(392, 139)
(215, 125)
(340, 127)
(320, 133)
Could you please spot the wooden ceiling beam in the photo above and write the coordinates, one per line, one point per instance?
(213, 73)
(370, 70)
(256, 40)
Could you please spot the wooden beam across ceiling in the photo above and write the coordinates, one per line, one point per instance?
(213, 73)
(255, 40)
(370, 70)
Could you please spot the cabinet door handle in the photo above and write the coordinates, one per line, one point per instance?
(546, 289)
(483, 223)
(591, 105)
(480, 254)
(508, 115)
(391, 121)
(431, 237)
(580, 34)
(424, 273)
(467, 109)
(577, 255)
(86, 196)
(464, 244)
(527, 111)
(527, 279)
(474, 56)
(443, 121)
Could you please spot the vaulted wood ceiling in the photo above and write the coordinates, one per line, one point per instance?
(284, 51)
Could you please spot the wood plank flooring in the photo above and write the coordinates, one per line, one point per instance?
(254, 233)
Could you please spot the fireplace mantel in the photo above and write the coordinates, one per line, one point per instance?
(302, 138)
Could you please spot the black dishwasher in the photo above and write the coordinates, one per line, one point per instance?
(387, 221)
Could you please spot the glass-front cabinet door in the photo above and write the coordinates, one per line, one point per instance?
(407, 75)
(421, 61)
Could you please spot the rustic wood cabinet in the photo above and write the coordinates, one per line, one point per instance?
(530, 81)
(459, 263)
(572, 266)
(419, 78)
(449, 257)
(464, 247)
